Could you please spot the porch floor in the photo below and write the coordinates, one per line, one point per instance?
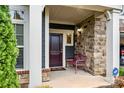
(68, 79)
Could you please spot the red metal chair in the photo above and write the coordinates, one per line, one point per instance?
(78, 61)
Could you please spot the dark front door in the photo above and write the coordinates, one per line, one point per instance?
(55, 50)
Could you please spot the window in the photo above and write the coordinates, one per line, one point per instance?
(19, 31)
(19, 16)
(69, 39)
(121, 25)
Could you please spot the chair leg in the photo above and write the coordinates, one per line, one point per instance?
(75, 68)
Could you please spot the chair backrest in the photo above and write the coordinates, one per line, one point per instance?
(80, 57)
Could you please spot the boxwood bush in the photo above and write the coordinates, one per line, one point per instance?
(8, 51)
(121, 72)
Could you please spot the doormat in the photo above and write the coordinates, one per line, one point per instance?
(57, 68)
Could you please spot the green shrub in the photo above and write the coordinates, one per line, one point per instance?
(8, 51)
(121, 72)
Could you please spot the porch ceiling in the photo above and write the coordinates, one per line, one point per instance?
(68, 14)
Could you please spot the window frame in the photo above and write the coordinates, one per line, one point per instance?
(21, 46)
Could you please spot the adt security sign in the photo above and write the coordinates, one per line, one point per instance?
(115, 71)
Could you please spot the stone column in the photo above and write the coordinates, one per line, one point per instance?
(100, 45)
(112, 45)
(35, 48)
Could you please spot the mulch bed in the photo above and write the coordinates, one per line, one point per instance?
(119, 83)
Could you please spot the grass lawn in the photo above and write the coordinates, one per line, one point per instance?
(121, 71)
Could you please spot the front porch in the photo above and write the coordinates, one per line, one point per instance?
(68, 79)
(101, 59)
(78, 31)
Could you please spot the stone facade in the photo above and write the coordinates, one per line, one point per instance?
(92, 41)
(100, 45)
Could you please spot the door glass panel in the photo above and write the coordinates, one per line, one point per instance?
(55, 43)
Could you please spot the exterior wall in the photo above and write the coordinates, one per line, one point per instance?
(92, 42)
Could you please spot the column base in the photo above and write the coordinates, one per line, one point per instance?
(45, 74)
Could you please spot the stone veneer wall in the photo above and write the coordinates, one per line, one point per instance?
(100, 45)
(92, 42)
